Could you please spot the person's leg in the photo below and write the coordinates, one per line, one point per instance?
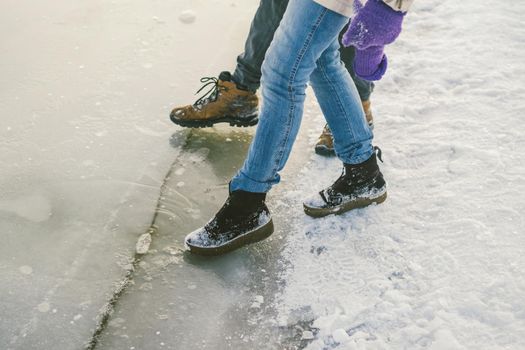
(306, 31)
(339, 100)
(247, 74)
(325, 143)
(361, 183)
(233, 100)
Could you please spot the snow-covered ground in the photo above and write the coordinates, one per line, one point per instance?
(85, 143)
(441, 264)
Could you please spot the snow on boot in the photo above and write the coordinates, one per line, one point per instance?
(242, 220)
(358, 186)
(325, 144)
(224, 102)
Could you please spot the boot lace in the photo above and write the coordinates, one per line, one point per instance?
(211, 94)
(379, 153)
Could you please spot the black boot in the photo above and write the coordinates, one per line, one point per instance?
(242, 220)
(358, 186)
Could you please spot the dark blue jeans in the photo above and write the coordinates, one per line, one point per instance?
(263, 27)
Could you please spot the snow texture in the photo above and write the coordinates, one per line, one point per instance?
(440, 264)
(201, 236)
(143, 243)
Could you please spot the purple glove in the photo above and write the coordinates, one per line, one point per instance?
(375, 25)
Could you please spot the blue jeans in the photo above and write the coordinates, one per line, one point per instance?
(264, 24)
(305, 48)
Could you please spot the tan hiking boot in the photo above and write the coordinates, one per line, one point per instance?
(368, 113)
(325, 144)
(223, 103)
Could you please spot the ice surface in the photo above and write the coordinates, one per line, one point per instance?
(187, 16)
(34, 207)
(194, 302)
(84, 148)
(86, 143)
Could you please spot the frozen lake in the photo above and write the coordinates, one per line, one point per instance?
(89, 162)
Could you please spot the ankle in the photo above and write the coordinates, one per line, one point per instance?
(247, 197)
(240, 85)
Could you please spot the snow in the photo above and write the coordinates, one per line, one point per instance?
(438, 264)
(143, 243)
(86, 144)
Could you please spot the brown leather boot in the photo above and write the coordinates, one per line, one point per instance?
(325, 144)
(224, 102)
(368, 113)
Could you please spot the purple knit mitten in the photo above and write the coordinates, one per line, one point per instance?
(375, 25)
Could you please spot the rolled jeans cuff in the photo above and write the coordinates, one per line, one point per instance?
(242, 182)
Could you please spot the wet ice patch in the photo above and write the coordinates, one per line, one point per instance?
(146, 287)
(26, 270)
(199, 155)
(187, 16)
(195, 213)
(36, 208)
(116, 322)
(43, 307)
(149, 132)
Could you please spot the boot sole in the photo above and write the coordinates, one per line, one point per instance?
(324, 151)
(254, 236)
(343, 208)
(248, 121)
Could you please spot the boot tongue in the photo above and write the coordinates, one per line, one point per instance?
(225, 76)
